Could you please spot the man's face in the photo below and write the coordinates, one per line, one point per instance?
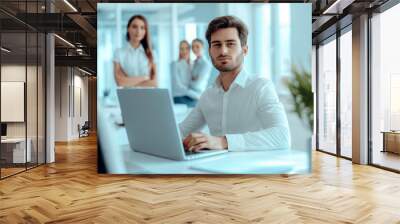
(226, 52)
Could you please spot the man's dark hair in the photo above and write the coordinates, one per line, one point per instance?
(227, 22)
(198, 41)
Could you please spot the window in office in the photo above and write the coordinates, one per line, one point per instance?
(345, 93)
(385, 84)
(327, 96)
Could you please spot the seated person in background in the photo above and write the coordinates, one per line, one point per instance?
(201, 69)
(181, 76)
(134, 65)
(242, 111)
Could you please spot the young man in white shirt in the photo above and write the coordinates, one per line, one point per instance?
(243, 112)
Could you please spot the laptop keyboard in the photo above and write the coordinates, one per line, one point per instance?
(201, 153)
(191, 155)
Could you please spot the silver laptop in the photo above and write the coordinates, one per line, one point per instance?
(151, 125)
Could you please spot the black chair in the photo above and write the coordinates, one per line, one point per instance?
(84, 130)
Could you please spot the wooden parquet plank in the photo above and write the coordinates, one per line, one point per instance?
(70, 191)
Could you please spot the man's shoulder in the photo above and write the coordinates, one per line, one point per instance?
(262, 88)
(258, 82)
(209, 91)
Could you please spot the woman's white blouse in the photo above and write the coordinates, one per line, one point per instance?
(181, 77)
(133, 61)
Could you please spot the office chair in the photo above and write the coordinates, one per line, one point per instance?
(84, 130)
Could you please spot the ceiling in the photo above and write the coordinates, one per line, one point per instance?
(330, 15)
(76, 22)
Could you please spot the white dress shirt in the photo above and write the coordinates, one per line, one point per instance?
(181, 77)
(133, 61)
(249, 114)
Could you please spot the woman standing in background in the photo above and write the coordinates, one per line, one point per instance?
(134, 64)
(201, 69)
(181, 76)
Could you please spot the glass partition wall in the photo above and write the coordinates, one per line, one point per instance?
(326, 114)
(13, 87)
(22, 77)
(334, 94)
(346, 93)
(385, 90)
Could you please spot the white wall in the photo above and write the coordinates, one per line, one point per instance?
(70, 83)
(14, 73)
(17, 73)
(61, 103)
(80, 83)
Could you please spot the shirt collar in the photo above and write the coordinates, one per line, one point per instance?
(140, 48)
(240, 80)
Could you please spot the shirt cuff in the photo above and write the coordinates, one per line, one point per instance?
(236, 142)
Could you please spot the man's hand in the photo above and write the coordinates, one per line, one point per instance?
(197, 141)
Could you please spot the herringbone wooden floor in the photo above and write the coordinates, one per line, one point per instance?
(70, 191)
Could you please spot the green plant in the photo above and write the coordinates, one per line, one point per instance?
(300, 88)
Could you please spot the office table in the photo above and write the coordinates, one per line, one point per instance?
(121, 159)
(16, 147)
(247, 162)
(391, 141)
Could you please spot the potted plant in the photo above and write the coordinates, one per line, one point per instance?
(300, 89)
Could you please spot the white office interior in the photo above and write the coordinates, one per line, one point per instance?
(171, 23)
(53, 106)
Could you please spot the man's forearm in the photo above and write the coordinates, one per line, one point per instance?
(270, 138)
(193, 122)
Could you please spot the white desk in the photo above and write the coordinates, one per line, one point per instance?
(18, 150)
(120, 159)
(255, 162)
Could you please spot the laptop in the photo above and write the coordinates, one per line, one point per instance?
(151, 125)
